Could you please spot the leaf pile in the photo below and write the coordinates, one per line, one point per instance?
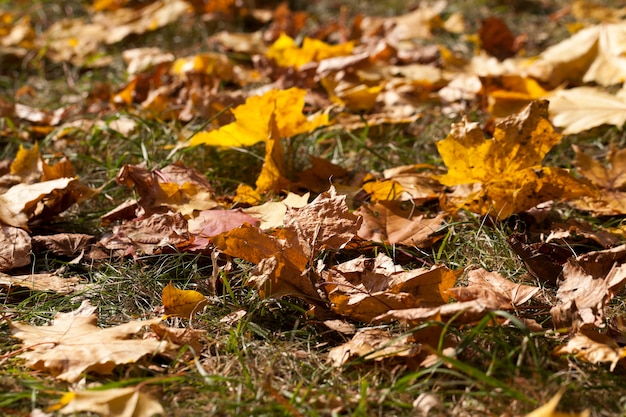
(319, 234)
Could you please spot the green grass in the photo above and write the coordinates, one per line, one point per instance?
(272, 362)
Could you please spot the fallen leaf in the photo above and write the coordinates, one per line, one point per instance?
(549, 409)
(182, 303)
(583, 108)
(113, 402)
(255, 118)
(497, 39)
(588, 283)
(147, 235)
(593, 347)
(364, 288)
(287, 53)
(398, 222)
(15, 247)
(595, 54)
(610, 180)
(176, 187)
(462, 312)
(483, 284)
(40, 282)
(373, 344)
(74, 344)
(272, 213)
(325, 223)
(209, 223)
(503, 175)
(24, 203)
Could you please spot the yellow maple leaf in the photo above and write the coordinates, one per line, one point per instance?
(503, 175)
(181, 303)
(286, 52)
(27, 162)
(252, 124)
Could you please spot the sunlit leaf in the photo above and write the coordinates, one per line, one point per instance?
(286, 52)
(254, 120)
(504, 175)
(182, 303)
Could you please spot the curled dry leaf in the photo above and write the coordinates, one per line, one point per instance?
(74, 344)
(398, 222)
(175, 187)
(373, 344)
(593, 347)
(325, 223)
(364, 288)
(487, 285)
(15, 246)
(588, 282)
(610, 180)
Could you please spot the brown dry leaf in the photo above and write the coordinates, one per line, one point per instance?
(209, 223)
(463, 312)
(497, 39)
(595, 54)
(147, 235)
(281, 262)
(364, 288)
(503, 175)
(24, 203)
(272, 213)
(401, 30)
(543, 260)
(398, 222)
(373, 344)
(325, 223)
(549, 409)
(64, 244)
(15, 246)
(593, 347)
(39, 282)
(588, 283)
(176, 187)
(483, 284)
(74, 344)
(181, 336)
(583, 108)
(610, 179)
(114, 402)
(78, 40)
(182, 303)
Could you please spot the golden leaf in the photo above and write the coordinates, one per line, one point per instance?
(286, 52)
(503, 175)
(182, 303)
(254, 120)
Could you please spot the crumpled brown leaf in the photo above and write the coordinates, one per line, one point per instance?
(588, 282)
(364, 288)
(593, 347)
(74, 344)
